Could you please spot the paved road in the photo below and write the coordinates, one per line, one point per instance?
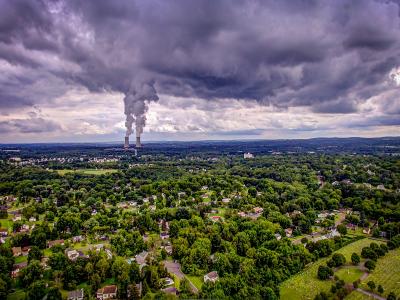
(175, 268)
(375, 296)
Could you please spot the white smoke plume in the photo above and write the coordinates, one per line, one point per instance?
(136, 105)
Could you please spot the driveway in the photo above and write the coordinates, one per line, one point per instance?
(175, 268)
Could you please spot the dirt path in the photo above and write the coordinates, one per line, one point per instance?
(375, 296)
(175, 268)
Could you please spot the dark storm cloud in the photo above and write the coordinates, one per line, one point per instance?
(31, 125)
(327, 55)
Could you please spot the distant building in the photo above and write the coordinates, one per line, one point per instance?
(248, 155)
(76, 295)
(17, 251)
(289, 232)
(164, 235)
(17, 268)
(55, 242)
(212, 277)
(107, 292)
(226, 200)
(170, 290)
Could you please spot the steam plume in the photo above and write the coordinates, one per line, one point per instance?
(136, 105)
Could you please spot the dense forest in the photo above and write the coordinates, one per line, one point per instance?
(253, 222)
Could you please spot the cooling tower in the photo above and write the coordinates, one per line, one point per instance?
(138, 143)
(126, 145)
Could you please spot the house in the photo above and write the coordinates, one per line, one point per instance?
(107, 292)
(24, 228)
(170, 290)
(32, 219)
(381, 187)
(76, 295)
(226, 200)
(289, 232)
(17, 268)
(141, 258)
(242, 214)
(3, 232)
(278, 236)
(55, 242)
(212, 277)
(75, 254)
(167, 281)
(25, 250)
(168, 249)
(215, 218)
(17, 218)
(98, 247)
(248, 155)
(17, 251)
(164, 235)
(258, 210)
(77, 239)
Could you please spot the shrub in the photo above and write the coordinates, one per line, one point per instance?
(370, 265)
(324, 272)
(380, 289)
(355, 259)
(371, 285)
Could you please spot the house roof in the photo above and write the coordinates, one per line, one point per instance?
(212, 275)
(75, 294)
(109, 289)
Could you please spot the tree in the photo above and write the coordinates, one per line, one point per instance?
(391, 296)
(342, 229)
(54, 294)
(184, 287)
(370, 265)
(324, 272)
(37, 290)
(3, 289)
(355, 258)
(35, 254)
(339, 259)
(371, 285)
(380, 289)
(31, 273)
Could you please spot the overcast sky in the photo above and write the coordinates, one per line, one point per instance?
(221, 69)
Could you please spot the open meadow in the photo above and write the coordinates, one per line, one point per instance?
(87, 171)
(307, 279)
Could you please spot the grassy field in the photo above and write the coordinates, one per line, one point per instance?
(349, 273)
(17, 295)
(196, 280)
(355, 295)
(387, 273)
(306, 285)
(88, 171)
(6, 223)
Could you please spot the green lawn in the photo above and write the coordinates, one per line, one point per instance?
(355, 295)
(349, 273)
(387, 273)
(88, 171)
(21, 259)
(306, 285)
(17, 295)
(196, 280)
(6, 223)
